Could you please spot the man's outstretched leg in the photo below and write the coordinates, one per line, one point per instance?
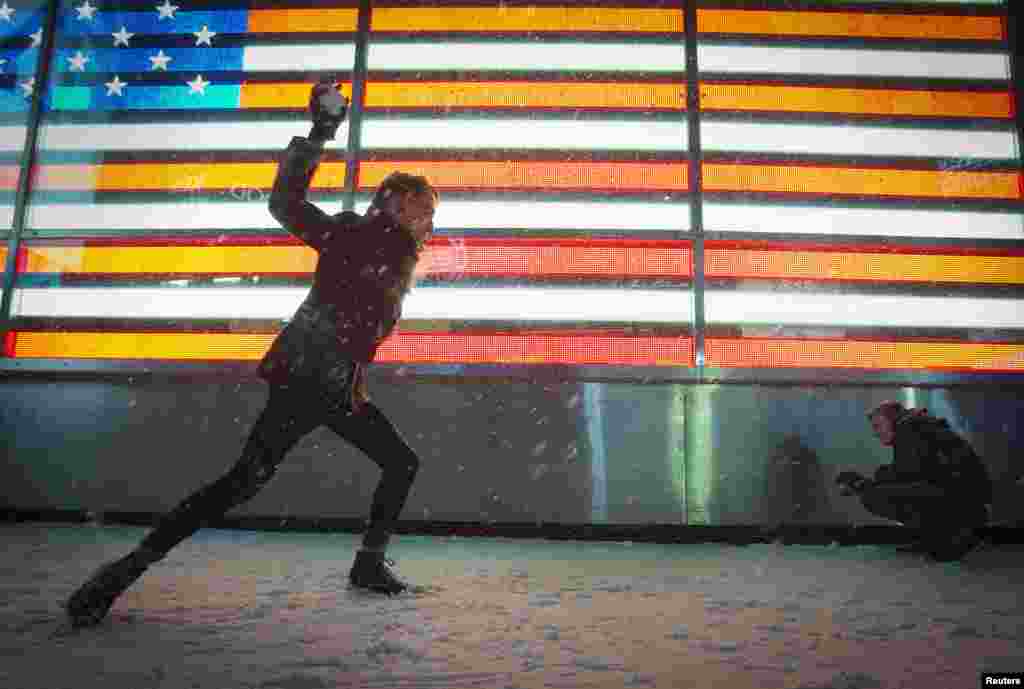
(375, 435)
(279, 427)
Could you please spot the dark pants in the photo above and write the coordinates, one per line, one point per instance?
(923, 505)
(289, 415)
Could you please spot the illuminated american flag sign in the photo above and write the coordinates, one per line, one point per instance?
(858, 208)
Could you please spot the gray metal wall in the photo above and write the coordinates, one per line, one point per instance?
(492, 451)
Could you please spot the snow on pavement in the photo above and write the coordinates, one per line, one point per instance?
(241, 609)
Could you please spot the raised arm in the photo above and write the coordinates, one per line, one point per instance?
(288, 203)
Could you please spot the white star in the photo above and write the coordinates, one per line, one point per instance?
(37, 37)
(204, 35)
(115, 86)
(122, 36)
(166, 10)
(77, 63)
(6, 12)
(28, 86)
(86, 10)
(159, 61)
(198, 85)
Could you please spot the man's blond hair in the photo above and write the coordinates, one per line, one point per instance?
(402, 183)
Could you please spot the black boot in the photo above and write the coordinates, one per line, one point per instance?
(919, 545)
(955, 546)
(959, 537)
(89, 604)
(371, 570)
(921, 541)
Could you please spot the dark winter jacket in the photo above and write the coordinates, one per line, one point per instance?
(364, 269)
(927, 449)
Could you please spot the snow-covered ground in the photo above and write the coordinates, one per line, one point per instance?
(240, 609)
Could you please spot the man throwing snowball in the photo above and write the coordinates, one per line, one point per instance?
(316, 367)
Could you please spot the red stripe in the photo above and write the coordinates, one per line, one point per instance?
(288, 240)
(8, 349)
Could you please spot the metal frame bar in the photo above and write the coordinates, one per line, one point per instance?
(695, 177)
(355, 112)
(1013, 21)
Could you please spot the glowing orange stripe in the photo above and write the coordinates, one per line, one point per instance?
(532, 18)
(546, 176)
(176, 346)
(513, 94)
(845, 265)
(823, 99)
(778, 353)
(442, 257)
(859, 24)
(302, 20)
(861, 181)
(409, 347)
(641, 96)
(230, 260)
(288, 96)
(181, 177)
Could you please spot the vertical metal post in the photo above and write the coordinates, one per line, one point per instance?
(696, 181)
(28, 156)
(355, 113)
(593, 412)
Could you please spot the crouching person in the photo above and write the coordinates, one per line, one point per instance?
(936, 483)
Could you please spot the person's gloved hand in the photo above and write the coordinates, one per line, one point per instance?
(327, 108)
(851, 482)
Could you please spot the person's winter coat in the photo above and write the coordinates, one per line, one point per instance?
(364, 269)
(927, 449)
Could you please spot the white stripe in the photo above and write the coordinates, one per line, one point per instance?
(857, 140)
(831, 220)
(747, 307)
(543, 134)
(6, 217)
(550, 304)
(558, 215)
(616, 57)
(156, 216)
(620, 134)
(527, 304)
(12, 139)
(152, 136)
(313, 56)
(840, 61)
